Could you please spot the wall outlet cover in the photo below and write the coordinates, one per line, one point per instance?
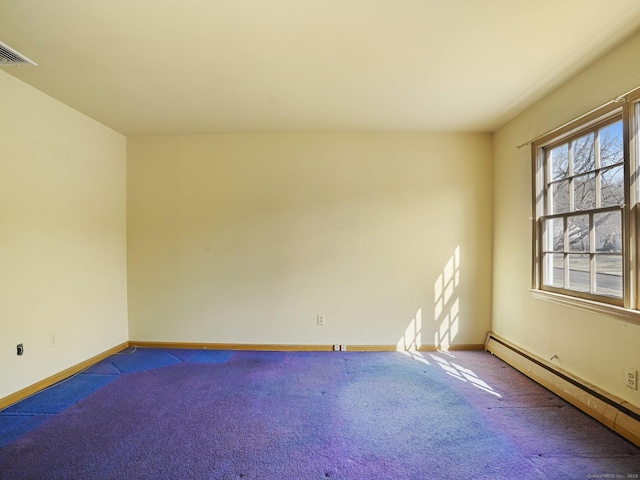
(632, 378)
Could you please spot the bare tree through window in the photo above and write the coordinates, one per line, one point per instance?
(584, 192)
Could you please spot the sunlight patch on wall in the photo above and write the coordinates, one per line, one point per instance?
(447, 302)
(446, 311)
(412, 338)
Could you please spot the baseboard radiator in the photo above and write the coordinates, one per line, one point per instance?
(614, 412)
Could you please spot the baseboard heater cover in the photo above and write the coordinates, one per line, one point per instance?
(614, 412)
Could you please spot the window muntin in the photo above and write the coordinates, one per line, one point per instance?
(581, 222)
(593, 159)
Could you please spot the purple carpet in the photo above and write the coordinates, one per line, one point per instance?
(272, 415)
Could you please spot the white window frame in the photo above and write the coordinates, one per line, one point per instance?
(628, 109)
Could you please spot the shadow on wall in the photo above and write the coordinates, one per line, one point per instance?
(445, 310)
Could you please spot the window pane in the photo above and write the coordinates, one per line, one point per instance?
(611, 146)
(558, 159)
(584, 158)
(608, 229)
(554, 235)
(578, 231)
(559, 193)
(579, 278)
(584, 192)
(581, 198)
(612, 186)
(609, 275)
(553, 270)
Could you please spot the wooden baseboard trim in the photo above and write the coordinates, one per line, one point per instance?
(233, 346)
(608, 409)
(371, 348)
(47, 382)
(293, 348)
(460, 346)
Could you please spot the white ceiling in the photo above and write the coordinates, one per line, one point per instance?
(161, 67)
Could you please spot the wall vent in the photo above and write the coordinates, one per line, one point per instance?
(10, 58)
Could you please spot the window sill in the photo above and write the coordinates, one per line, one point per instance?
(626, 314)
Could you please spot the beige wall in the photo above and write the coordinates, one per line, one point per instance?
(62, 236)
(594, 347)
(246, 238)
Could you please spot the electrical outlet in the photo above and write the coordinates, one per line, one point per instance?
(336, 347)
(320, 319)
(632, 378)
(343, 348)
(20, 349)
(53, 340)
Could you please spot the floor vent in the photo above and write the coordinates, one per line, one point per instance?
(10, 58)
(614, 412)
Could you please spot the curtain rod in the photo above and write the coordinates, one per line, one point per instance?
(619, 99)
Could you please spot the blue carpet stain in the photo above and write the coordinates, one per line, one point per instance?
(211, 356)
(14, 426)
(61, 395)
(105, 367)
(142, 360)
(202, 356)
(184, 354)
(31, 412)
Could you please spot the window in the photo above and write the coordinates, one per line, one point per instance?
(584, 207)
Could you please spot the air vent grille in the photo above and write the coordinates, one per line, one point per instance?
(10, 58)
